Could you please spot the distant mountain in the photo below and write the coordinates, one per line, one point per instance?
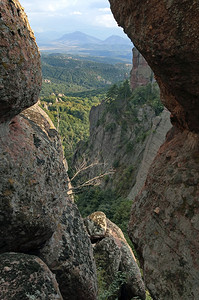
(116, 40)
(78, 38)
(114, 47)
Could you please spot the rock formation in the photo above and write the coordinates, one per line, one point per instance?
(31, 159)
(166, 34)
(126, 141)
(160, 127)
(25, 276)
(141, 73)
(164, 220)
(37, 214)
(20, 72)
(114, 256)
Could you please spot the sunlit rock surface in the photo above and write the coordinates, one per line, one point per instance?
(20, 72)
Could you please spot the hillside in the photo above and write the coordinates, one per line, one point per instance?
(77, 74)
(71, 86)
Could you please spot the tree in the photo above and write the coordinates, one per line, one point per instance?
(82, 167)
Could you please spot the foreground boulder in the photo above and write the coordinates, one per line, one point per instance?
(20, 72)
(69, 255)
(26, 277)
(37, 215)
(33, 186)
(118, 272)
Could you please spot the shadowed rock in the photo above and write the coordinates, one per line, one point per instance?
(20, 72)
(114, 257)
(141, 73)
(166, 33)
(26, 277)
(69, 255)
(164, 219)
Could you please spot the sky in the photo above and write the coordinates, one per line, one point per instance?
(92, 17)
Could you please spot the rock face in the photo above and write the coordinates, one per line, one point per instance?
(166, 34)
(35, 206)
(26, 277)
(69, 255)
(120, 141)
(141, 73)
(20, 73)
(160, 127)
(164, 220)
(31, 163)
(114, 257)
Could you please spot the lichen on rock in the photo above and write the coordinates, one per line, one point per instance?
(114, 258)
(20, 72)
(26, 277)
(33, 186)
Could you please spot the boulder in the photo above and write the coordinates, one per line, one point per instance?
(34, 181)
(118, 272)
(37, 214)
(70, 256)
(96, 225)
(26, 277)
(20, 72)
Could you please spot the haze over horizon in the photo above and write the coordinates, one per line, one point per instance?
(65, 16)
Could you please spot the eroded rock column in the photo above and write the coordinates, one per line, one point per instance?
(164, 220)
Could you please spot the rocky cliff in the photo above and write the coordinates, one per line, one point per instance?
(141, 73)
(164, 219)
(124, 138)
(37, 214)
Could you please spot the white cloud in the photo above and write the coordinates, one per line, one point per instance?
(46, 6)
(106, 20)
(76, 13)
(106, 9)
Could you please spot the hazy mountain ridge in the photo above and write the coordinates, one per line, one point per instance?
(81, 43)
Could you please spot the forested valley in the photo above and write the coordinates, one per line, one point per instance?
(71, 87)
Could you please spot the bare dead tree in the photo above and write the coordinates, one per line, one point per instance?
(84, 166)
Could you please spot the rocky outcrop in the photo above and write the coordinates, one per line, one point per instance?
(20, 73)
(35, 206)
(164, 222)
(25, 276)
(166, 34)
(164, 219)
(141, 73)
(69, 255)
(160, 127)
(37, 212)
(124, 138)
(114, 258)
(33, 187)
